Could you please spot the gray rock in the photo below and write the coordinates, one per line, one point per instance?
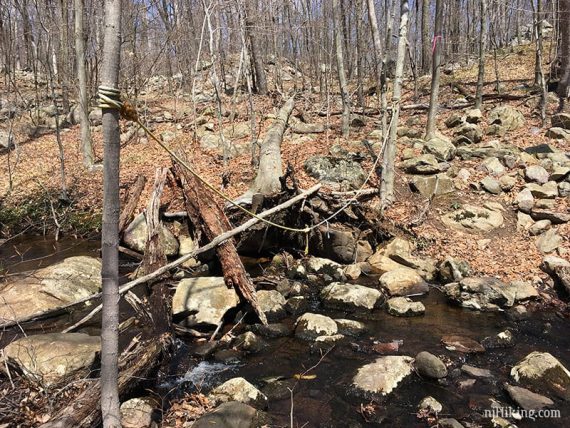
(549, 241)
(429, 365)
(453, 121)
(536, 173)
(507, 182)
(524, 221)
(336, 170)
(451, 270)
(353, 272)
(476, 372)
(404, 307)
(491, 185)
(493, 166)
(228, 415)
(96, 117)
(432, 185)
(403, 282)
(554, 216)
(449, 423)
(51, 287)
(296, 305)
(527, 399)
(442, 149)
(137, 412)
(539, 227)
(524, 200)
(503, 119)
(485, 293)
(468, 134)
(558, 134)
(272, 330)
(272, 304)
(560, 173)
(135, 237)
(50, 358)
(462, 344)
(307, 128)
(205, 299)
(544, 371)
(561, 120)
(504, 339)
(248, 342)
(350, 327)
(424, 164)
(350, 297)
(382, 376)
(431, 405)
(548, 190)
(7, 140)
(470, 218)
(310, 326)
(473, 115)
(564, 189)
(238, 389)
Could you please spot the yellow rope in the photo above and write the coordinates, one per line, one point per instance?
(109, 98)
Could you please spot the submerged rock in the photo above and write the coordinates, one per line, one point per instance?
(310, 326)
(476, 371)
(462, 344)
(228, 415)
(350, 327)
(544, 371)
(51, 287)
(50, 358)
(350, 297)
(504, 339)
(203, 300)
(527, 399)
(382, 376)
(429, 365)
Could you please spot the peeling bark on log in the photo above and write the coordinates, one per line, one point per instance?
(132, 202)
(154, 252)
(198, 201)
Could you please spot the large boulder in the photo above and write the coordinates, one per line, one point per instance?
(135, 236)
(351, 297)
(503, 119)
(441, 148)
(336, 170)
(471, 218)
(203, 300)
(543, 371)
(382, 376)
(48, 288)
(468, 134)
(51, 358)
(485, 293)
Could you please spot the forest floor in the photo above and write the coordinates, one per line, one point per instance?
(507, 253)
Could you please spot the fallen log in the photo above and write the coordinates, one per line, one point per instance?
(202, 208)
(150, 277)
(154, 256)
(132, 202)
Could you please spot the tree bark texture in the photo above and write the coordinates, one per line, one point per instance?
(434, 92)
(338, 32)
(482, 48)
(564, 84)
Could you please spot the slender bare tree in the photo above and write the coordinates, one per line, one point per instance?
(83, 105)
(482, 46)
(110, 233)
(345, 96)
(564, 19)
(387, 180)
(434, 93)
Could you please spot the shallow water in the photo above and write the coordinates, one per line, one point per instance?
(327, 401)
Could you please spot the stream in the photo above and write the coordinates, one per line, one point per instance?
(325, 398)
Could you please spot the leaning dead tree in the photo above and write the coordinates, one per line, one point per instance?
(270, 167)
(205, 214)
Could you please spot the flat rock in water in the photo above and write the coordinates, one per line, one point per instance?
(404, 307)
(228, 415)
(527, 399)
(238, 389)
(51, 287)
(382, 376)
(203, 300)
(544, 371)
(462, 344)
(403, 282)
(310, 326)
(350, 296)
(476, 371)
(484, 293)
(49, 358)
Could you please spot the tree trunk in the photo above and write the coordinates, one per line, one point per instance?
(426, 45)
(389, 155)
(482, 45)
(64, 65)
(337, 16)
(377, 44)
(154, 256)
(110, 233)
(434, 93)
(270, 169)
(564, 19)
(83, 107)
(257, 62)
